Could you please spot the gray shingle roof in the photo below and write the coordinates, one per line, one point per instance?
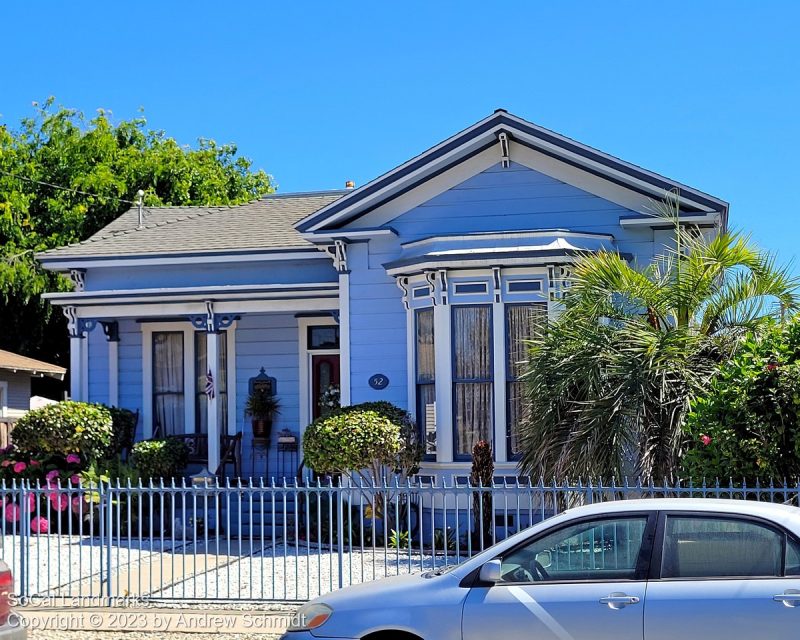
(267, 223)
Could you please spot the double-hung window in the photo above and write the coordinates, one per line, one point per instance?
(473, 376)
(426, 379)
(523, 321)
(168, 389)
(201, 380)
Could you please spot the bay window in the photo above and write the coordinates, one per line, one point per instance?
(523, 321)
(426, 379)
(473, 377)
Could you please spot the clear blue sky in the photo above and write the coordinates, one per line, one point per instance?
(320, 92)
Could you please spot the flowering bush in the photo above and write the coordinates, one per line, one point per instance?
(748, 425)
(63, 428)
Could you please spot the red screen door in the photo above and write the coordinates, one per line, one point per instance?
(324, 372)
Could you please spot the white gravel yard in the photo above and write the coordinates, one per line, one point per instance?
(64, 565)
(281, 572)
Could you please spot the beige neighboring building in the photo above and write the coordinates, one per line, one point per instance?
(16, 372)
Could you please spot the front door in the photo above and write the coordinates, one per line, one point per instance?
(585, 581)
(324, 375)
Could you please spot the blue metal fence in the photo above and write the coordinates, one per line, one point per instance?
(254, 541)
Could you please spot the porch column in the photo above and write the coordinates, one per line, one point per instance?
(340, 262)
(212, 361)
(76, 347)
(111, 329)
(443, 367)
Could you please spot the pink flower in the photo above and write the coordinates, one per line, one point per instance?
(73, 458)
(706, 440)
(75, 479)
(772, 366)
(11, 512)
(35, 463)
(60, 501)
(31, 502)
(19, 467)
(40, 525)
(5, 463)
(76, 504)
(51, 477)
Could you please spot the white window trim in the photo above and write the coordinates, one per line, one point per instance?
(148, 328)
(443, 351)
(3, 399)
(305, 396)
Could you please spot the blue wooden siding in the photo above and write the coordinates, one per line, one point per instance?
(269, 341)
(204, 275)
(377, 325)
(130, 368)
(519, 199)
(98, 365)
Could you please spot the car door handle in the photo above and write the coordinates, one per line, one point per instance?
(619, 600)
(789, 599)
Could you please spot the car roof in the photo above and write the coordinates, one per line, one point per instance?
(734, 506)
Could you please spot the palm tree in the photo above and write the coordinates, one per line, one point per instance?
(609, 384)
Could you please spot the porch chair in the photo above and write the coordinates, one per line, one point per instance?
(230, 452)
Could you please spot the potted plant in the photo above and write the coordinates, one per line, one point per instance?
(261, 407)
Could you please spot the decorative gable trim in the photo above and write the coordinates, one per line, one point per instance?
(497, 129)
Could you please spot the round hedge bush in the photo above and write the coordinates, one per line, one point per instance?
(350, 440)
(165, 458)
(65, 427)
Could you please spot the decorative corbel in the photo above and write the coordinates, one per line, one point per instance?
(111, 330)
(78, 277)
(338, 251)
(443, 285)
(430, 278)
(402, 284)
(505, 150)
(76, 326)
(498, 289)
(212, 322)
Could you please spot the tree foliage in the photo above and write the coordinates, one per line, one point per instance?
(610, 383)
(748, 424)
(108, 162)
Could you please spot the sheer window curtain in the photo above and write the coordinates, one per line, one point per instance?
(168, 392)
(523, 321)
(220, 383)
(472, 376)
(426, 380)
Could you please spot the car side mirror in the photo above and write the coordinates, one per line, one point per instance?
(492, 572)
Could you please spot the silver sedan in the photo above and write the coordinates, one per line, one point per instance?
(631, 570)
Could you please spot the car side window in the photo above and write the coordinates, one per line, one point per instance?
(597, 550)
(712, 547)
(792, 557)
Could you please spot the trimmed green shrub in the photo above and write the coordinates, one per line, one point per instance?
(65, 427)
(165, 458)
(748, 425)
(407, 459)
(352, 440)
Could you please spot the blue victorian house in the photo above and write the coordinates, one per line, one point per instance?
(417, 288)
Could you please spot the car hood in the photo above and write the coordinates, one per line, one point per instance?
(385, 588)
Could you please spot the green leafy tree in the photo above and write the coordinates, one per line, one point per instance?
(610, 383)
(747, 426)
(103, 164)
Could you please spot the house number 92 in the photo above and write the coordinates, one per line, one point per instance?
(379, 381)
